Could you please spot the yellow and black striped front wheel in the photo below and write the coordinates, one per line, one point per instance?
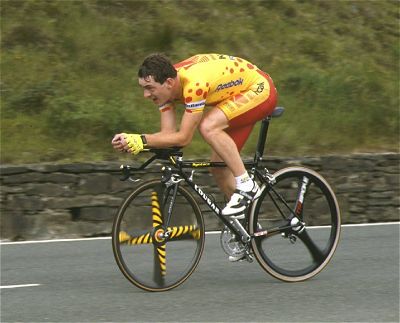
(151, 253)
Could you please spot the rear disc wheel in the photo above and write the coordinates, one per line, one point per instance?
(301, 241)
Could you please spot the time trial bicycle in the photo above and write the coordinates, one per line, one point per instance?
(158, 233)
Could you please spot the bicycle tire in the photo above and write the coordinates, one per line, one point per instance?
(279, 251)
(146, 260)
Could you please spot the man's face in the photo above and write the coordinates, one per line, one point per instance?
(158, 93)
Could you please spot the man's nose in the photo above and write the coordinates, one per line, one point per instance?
(146, 94)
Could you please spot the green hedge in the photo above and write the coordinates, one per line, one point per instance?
(68, 71)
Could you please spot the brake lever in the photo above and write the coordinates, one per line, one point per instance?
(126, 174)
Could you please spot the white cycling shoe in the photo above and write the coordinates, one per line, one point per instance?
(239, 202)
(236, 258)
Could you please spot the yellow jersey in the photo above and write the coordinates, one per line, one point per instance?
(208, 79)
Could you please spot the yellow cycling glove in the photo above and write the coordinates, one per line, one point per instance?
(135, 142)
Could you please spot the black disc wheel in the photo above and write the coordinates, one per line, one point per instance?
(156, 252)
(295, 225)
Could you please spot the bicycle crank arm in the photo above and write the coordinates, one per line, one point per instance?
(248, 256)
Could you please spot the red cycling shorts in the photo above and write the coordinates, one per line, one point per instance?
(246, 108)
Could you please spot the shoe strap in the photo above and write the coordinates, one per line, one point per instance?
(247, 196)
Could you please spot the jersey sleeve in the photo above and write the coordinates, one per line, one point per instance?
(165, 107)
(194, 96)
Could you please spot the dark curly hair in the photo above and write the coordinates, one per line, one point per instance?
(158, 66)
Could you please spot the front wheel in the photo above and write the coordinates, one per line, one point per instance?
(156, 252)
(295, 225)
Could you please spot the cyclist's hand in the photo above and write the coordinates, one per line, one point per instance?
(134, 143)
(119, 143)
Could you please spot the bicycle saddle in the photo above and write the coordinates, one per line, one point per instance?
(278, 111)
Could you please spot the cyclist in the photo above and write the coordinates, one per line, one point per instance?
(239, 95)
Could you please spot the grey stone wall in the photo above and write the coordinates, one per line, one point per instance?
(80, 200)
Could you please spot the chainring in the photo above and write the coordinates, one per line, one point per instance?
(230, 245)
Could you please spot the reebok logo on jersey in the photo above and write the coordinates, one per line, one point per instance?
(229, 84)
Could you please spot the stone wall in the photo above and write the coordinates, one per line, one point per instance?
(79, 200)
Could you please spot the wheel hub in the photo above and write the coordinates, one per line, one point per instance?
(160, 235)
(297, 225)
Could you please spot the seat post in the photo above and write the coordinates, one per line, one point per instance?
(262, 137)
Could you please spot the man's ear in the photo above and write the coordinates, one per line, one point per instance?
(170, 82)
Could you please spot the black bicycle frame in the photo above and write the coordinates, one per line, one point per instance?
(204, 196)
(174, 155)
(180, 165)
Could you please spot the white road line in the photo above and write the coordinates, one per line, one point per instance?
(53, 240)
(369, 224)
(5, 243)
(19, 286)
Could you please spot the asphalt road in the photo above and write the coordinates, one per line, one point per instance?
(79, 281)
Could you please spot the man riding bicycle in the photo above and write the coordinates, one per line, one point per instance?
(239, 95)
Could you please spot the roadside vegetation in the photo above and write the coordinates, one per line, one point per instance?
(68, 71)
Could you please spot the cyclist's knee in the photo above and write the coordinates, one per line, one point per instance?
(207, 128)
(212, 123)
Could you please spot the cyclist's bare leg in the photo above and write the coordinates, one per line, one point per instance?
(223, 176)
(212, 129)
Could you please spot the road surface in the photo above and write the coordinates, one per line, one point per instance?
(79, 281)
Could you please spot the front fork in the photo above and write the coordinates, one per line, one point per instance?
(171, 183)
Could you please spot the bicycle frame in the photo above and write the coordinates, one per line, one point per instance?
(174, 156)
(266, 179)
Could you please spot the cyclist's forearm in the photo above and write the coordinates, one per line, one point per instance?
(168, 139)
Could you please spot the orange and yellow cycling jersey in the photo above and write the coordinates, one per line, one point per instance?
(211, 79)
